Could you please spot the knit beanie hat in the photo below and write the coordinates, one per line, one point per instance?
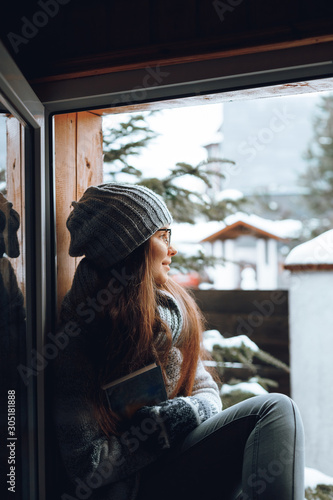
(111, 220)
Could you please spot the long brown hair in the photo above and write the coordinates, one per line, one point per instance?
(136, 335)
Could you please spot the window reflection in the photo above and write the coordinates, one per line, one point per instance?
(13, 407)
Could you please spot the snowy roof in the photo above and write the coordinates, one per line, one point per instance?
(194, 233)
(240, 228)
(319, 250)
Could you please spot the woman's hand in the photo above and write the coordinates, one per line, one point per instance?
(162, 426)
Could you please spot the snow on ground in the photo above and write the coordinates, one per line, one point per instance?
(314, 477)
(213, 337)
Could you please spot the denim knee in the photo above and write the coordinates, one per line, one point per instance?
(281, 404)
(281, 413)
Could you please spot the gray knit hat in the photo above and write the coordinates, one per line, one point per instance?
(111, 220)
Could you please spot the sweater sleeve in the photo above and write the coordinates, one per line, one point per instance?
(205, 387)
(177, 417)
(205, 397)
(89, 457)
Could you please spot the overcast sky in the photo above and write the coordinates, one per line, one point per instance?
(281, 127)
(183, 132)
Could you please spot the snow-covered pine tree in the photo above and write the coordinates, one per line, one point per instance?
(318, 178)
(128, 138)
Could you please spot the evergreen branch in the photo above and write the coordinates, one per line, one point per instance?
(271, 360)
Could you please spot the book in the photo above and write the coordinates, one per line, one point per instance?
(144, 387)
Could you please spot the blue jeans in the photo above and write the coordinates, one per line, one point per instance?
(251, 451)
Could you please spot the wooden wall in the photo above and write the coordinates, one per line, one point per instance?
(78, 161)
(262, 315)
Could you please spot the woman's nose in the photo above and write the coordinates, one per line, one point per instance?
(172, 251)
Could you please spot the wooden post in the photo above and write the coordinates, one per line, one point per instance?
(78, 159)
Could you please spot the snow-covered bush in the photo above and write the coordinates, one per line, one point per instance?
(318, 486)
(320, 492)
(235, 353)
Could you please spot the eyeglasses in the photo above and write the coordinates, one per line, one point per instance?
(167, 236)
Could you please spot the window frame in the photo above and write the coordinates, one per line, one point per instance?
(18, 98)
(115, 89)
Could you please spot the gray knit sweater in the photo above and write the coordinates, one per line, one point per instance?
(109, 469)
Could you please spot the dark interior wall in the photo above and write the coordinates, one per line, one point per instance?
(54, 37)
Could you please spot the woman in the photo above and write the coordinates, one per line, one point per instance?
(124, 312)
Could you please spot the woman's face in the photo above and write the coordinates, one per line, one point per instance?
(161, 254)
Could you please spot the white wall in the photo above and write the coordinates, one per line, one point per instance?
(227, 276)
(311, 359)
(267, 268)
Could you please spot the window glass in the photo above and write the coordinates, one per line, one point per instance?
(13, 388)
